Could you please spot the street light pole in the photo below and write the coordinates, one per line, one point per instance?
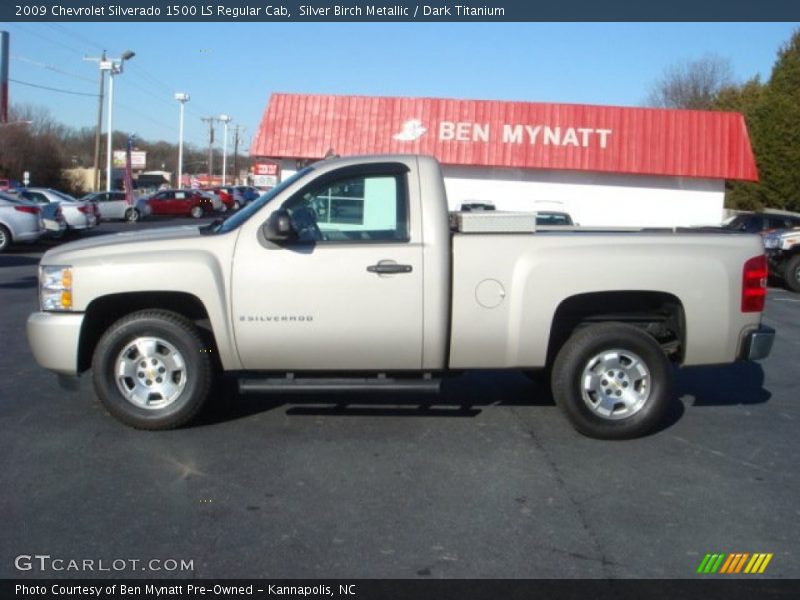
(183, 98)
(225, 119)
(110, 115)
(114, 67)
(98, 130)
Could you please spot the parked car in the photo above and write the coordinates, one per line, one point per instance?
(20, 221)
(230, 197)
(216, 201)
(53, 218)
(9, 185)
(761, 222)
(180, 202)
(248, 192)
(79, 214)
(783, 254)
(113, 205)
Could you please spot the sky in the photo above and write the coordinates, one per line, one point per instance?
(232, 68)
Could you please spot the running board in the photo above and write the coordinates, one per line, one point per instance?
(298, 385)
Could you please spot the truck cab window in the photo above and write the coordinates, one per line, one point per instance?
(354, 209)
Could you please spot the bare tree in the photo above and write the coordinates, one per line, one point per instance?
(692, 84)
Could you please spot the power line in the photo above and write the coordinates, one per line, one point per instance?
(75, 34)
(52, 89)
(53, 68)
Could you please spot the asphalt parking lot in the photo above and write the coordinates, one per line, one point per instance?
(487, 480)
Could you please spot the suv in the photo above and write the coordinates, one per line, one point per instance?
(783, 254)
(762, 222)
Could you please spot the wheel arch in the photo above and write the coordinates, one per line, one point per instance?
(102, 312)
(658, 313)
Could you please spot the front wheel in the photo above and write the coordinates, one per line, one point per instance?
(613, 381)
(150, 371)
(132, 215)
(792, 274)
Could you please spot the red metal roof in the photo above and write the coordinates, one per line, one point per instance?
(612, 139)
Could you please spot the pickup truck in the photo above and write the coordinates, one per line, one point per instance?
(351, 275)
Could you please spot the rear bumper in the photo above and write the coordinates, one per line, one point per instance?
(757, 344)
(54, 338)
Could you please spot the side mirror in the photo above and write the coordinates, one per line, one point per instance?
(278, 227)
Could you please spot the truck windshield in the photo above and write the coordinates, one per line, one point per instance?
(244, 214)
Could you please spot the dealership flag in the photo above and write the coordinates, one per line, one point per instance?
(128, 180)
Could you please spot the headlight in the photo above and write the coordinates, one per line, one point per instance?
(771, 241)
(55, 287)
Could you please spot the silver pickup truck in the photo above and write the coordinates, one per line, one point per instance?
(351, 275)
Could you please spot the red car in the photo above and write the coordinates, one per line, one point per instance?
(180, 202)
(226, 195)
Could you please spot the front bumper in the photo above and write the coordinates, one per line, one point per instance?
(757, 344)
(54, 338)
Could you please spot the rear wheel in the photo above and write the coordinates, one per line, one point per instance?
(5, 238)
(132, 215)
(792, 274)
(149, 371)
(196, 212)
(613, 381)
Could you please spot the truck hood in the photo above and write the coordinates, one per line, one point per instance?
(121, 243)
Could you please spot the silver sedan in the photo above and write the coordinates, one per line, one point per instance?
(20, 221)
(78, 214)
(113, 205)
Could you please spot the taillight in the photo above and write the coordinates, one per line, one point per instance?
(32, 210)
(754, 284)
(86, 209)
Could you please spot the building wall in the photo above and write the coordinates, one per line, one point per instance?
(592, 199)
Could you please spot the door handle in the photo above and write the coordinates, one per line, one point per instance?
(383, 268)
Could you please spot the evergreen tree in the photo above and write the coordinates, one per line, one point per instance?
(777, 135)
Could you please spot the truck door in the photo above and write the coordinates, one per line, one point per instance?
(347, 293)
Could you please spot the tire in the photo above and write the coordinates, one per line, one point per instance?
(196, 212)
(171, 345)
(613, 381)
(791, 275)
(5, 238)
(132, 215)
(223, 208)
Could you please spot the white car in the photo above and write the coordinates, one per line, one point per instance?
(20, 221)
(79, 214)
(113, 205)
(216, 202)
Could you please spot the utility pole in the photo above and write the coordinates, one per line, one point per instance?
(98, 129)
(210, 121)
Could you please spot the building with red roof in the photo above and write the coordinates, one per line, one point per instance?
(605, 165)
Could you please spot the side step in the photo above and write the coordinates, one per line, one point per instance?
(291, 384)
